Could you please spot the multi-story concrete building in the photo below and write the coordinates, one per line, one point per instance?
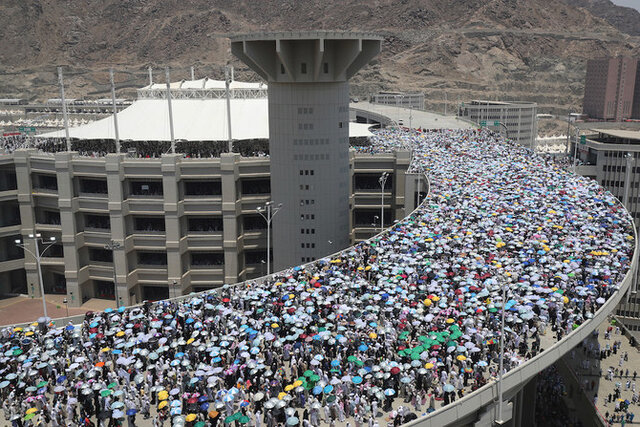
(610, 88)
(612, 157)
(516, 120)
(414, 101)
(184, 224)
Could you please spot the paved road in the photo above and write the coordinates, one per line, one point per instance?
(414, 118)
(595, 372)
(24, 309)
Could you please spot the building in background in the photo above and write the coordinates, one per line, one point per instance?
(400, 99)
(612, 157)
(610, 89)
(516, 120)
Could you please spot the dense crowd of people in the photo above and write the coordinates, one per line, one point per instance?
(391, 329)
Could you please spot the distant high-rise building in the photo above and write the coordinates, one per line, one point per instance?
(609, 89)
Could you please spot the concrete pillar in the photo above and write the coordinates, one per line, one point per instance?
(27, 217)
(527, 413)
(231, 211)
(117, 213)
(308, 77)
(64, 174)
(170, 180)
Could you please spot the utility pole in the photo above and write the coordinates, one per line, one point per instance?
(193, 73)
(382, 180)
(268, 211)
(64, 109)
(227, 82)
(113, 246)
(37, 238)
(115, 110)
(173, 140)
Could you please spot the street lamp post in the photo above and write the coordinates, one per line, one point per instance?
(268, 211)
(37, 239)
(382, 180)
(175, 288)
(113, 246)
(627, 179)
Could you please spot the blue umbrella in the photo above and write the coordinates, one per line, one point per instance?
(70, 328)
(3, 384)
(335, 363)
(61, 379)
(203, 399)
(204, 406)
(108, 310)
(356, 380)
(317, 390)
(189, 321)
(121, 309)
(363, 347)
(328, 389)
(131, 411)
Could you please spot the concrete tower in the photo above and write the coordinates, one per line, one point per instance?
(308, 75)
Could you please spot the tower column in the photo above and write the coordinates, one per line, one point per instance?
(308, 74)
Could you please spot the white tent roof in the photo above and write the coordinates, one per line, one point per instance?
(193, 120)
(206, 83)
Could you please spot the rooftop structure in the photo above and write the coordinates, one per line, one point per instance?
(610, 89)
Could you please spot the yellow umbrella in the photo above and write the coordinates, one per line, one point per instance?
(360, 268)
(427, 302)
(289, 387)
(190, 418)
(104, 350)
(435, 298)
(461, 358)
(163, 395)
(120, 334)
(428, 365)
(18, 329)
(282, 395)
(275, 325)
(162, 404)
(449, 320)
(190, 340)
(297, 383)
(32, 411)
(28, 334)
(367, 268)
(373, 335)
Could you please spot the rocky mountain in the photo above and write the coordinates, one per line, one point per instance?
(625, 19)
(455, 49)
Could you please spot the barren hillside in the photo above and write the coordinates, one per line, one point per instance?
(508, 49)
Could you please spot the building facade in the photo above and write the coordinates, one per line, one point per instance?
(609, 89)
(516, 120)
(612, 157)
(182, 224)
(414, 101)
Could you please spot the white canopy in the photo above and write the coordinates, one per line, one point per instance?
(193, 120)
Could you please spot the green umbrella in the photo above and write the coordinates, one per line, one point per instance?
(243, 419)
(493, 310)
(415, 356)
(359, 362)
(42, 384)
(105, 393)
(229, 419)
(28, 417)
(352, 358)
(200, 424)
(112, 385)
(314, 378)
(308, 373)
(17, 352)
(331, 398)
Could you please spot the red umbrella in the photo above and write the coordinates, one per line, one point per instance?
(395, 370)
(225, 300)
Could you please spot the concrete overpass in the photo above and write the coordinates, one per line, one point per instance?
(390, 115)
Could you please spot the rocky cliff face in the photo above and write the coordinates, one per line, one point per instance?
(503, 49)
